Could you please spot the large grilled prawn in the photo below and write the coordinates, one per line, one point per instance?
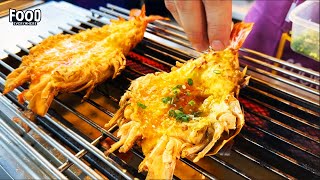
(190, 112)
(71, 63)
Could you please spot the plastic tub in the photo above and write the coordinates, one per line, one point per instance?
(305, 29)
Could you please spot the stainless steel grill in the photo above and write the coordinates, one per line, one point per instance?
(279, 141)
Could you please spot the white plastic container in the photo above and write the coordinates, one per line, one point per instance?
(305, 29)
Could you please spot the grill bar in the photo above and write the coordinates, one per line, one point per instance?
(229, 166)
(309, 71)
(79, 155)
(76, 26)
(307, 79)
(280, 155)
(275, 170)
(286, 102)
(285, 140)
(51, 141)
(282, 79)
(34, 154)
(300, 120)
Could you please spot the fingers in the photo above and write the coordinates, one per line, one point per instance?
(219, 21)
(170, 5)
(205, 22)
(191, 16)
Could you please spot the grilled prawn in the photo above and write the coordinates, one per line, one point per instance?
(190, 112)
(72, 63)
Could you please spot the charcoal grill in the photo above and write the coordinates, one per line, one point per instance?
(280, 139)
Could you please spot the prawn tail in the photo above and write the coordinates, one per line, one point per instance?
(239, 34)
(141, 13)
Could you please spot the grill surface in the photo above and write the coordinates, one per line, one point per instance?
(280, 139)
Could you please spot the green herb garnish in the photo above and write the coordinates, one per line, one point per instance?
(141, 105)
(177, 87)
(171, 113)
(217, 71)
(176, 91)
(179, 115)
(188, 93)
(191, 103)
(167, 100)
(190, 81)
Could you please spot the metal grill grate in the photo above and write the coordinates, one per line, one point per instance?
(280, 138)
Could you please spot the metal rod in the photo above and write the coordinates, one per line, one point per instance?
(52, 142)
(31, 152)
(279, 69)
(263, 164)
(113, 13)
(285, 80)
(102, 14)
(94, 104)
(300, 68)
(76, 26)
(96, 19)
(66, 30)
(280, 124)
(22, 48)
(280, 155)
(230, 167)
(6, 66)
(283, 101)
(125, 11)
(12, 54)
(283, 90)
(151, 26)
(166, 54)
(282, 139)
(295, 118)
(79, 155)
(87, 23)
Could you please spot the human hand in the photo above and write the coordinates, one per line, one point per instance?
(206, 22)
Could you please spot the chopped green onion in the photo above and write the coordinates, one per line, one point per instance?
(176, 91)
(177, 87)
(191, 103)
(141, 105)
(178, 111)
(171, 113)
(185, 118)
(179, 115)
(167, 100)
(217, 71)
(188, 93)
(190, 81)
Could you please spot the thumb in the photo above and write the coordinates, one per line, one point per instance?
(219, 20)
